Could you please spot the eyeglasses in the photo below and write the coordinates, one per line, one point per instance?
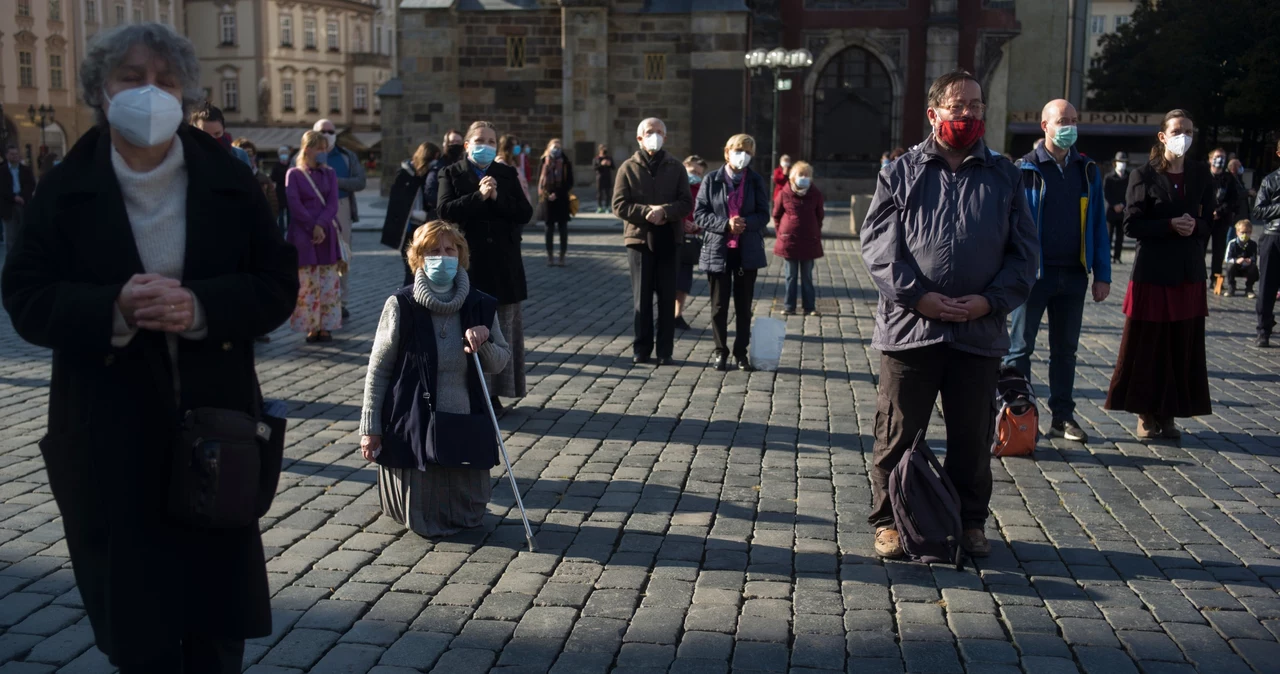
(976, 109)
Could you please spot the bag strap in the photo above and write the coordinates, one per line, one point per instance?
(306, 173)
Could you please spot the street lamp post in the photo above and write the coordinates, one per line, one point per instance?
(42, 116)
(777, 60)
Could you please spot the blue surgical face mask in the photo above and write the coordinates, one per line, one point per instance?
(482, 154)
(694, 179)
(803, 182)
(322, 158)
(440, 269)
(884, 163)
(515, 151)
(1065, 137)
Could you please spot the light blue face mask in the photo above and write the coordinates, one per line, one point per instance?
(1064, 137)
(695, 179)
(482, 155)
(803, 182)
(515, 151)
(441, 270)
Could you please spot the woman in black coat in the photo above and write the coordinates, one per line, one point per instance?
(149, 271)
(484, 198)
(555, 185)
(1161, 371)
(733, 211)
(412, 201)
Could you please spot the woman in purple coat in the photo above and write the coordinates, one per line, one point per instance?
(312, 189)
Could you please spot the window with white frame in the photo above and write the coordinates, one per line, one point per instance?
(24, 8)
(230, 94)
(55, 10)
(1122, 19)
(331, 35)
(26, 70)
(286, 30)
(55, 72)
(360, 98)
(227, 28)
(90, 11)
(286, 95)
(335, 97)
(309, 32)
(313, 97)
(1097, 24)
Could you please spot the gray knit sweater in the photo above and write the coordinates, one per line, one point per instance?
(451, 367)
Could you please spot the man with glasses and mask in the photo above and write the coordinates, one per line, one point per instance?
(952, 248)
(1064, 194)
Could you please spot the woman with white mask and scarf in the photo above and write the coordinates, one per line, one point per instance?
(148, 264)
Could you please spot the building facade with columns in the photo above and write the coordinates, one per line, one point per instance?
(584, 71)
(274, 67)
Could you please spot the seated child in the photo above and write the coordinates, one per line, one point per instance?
(1242, 259)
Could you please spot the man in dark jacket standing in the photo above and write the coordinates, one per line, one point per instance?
(1064, 195)
(1226, 192)
(15, 193)
(1114, 187)
(951, 246)
(1267, 210)
(651, 196)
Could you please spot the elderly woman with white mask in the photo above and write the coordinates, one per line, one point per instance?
(148, 263)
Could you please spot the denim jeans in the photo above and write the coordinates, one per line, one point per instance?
(803, 269)
(1060, 290)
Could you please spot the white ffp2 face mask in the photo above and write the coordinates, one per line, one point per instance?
(1178, 145)
(739, 159)
(146, 116)
(653, 142)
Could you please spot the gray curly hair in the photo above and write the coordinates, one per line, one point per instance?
(107, 50)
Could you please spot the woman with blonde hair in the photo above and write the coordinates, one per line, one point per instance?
(312, 189)
(483, 197)
(733, 210)
(798, 210)
(555, 186)
(424, 418)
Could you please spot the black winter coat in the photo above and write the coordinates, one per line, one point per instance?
(113, 411)
(1163, 256)
(558, 210)
(492, 227)
(396, 227)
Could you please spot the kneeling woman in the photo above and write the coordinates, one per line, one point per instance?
(424, 419)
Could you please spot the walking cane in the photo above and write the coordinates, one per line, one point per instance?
(502, 446)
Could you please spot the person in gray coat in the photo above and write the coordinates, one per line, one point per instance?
(952, 248)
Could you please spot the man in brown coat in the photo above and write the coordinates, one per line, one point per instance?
(651, 196)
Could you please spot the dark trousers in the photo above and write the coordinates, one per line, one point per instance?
(194, 655)
(1060, 291)
(1269, 271)
(653, 274)
(910, 382)
(1117, 231)
(604, 194)
(741, 283)
(563, 225)
(1249, 272)
(1219, 232)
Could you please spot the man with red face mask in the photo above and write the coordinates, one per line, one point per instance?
(952, 248)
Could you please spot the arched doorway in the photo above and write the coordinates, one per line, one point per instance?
(852, 113)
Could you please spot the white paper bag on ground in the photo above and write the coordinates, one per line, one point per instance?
(767, 336)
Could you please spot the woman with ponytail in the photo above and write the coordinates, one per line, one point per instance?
(1160, 372)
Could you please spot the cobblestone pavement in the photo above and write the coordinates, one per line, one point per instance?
(696, 521)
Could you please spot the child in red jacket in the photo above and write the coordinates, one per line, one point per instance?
(797, 209)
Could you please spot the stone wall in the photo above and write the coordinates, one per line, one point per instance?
(633, 98)
(482, 72)
(428, 71)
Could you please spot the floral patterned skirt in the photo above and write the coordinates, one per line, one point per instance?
(319, 299)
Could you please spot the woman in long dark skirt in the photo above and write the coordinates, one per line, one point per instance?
(1161, 373)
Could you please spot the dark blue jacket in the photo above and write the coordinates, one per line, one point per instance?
(958, 233)
(711, 213)
(1095, 239)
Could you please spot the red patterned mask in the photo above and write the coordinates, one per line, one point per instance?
(960, 134)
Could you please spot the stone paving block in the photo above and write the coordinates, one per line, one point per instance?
(1100, 660)
(1261, 655)
(546, 622)
(766, 657)
(1046, 665)
(444, 619)
(374, 633)
(464, 661)
(301, 648)
(1150, 646)
(582, 663)
(332, 615)
(646, 656)
(931, 656)
(416, 649)
(596, 635)
(486, 634)
(818, 651)
(987, 651)
(348, 658)
(1231, 625)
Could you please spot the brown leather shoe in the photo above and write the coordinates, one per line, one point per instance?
(974, 542)
(887, 543)
(1169, 429)
(1148, 427)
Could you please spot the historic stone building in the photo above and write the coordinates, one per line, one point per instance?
(276, 66)
(585, 71)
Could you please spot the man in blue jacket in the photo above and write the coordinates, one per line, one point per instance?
(952, 249)
(1065, 193)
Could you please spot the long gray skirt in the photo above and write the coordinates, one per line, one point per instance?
(435, 502)
(510, 382)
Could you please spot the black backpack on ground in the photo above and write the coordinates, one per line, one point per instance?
(926, 507)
